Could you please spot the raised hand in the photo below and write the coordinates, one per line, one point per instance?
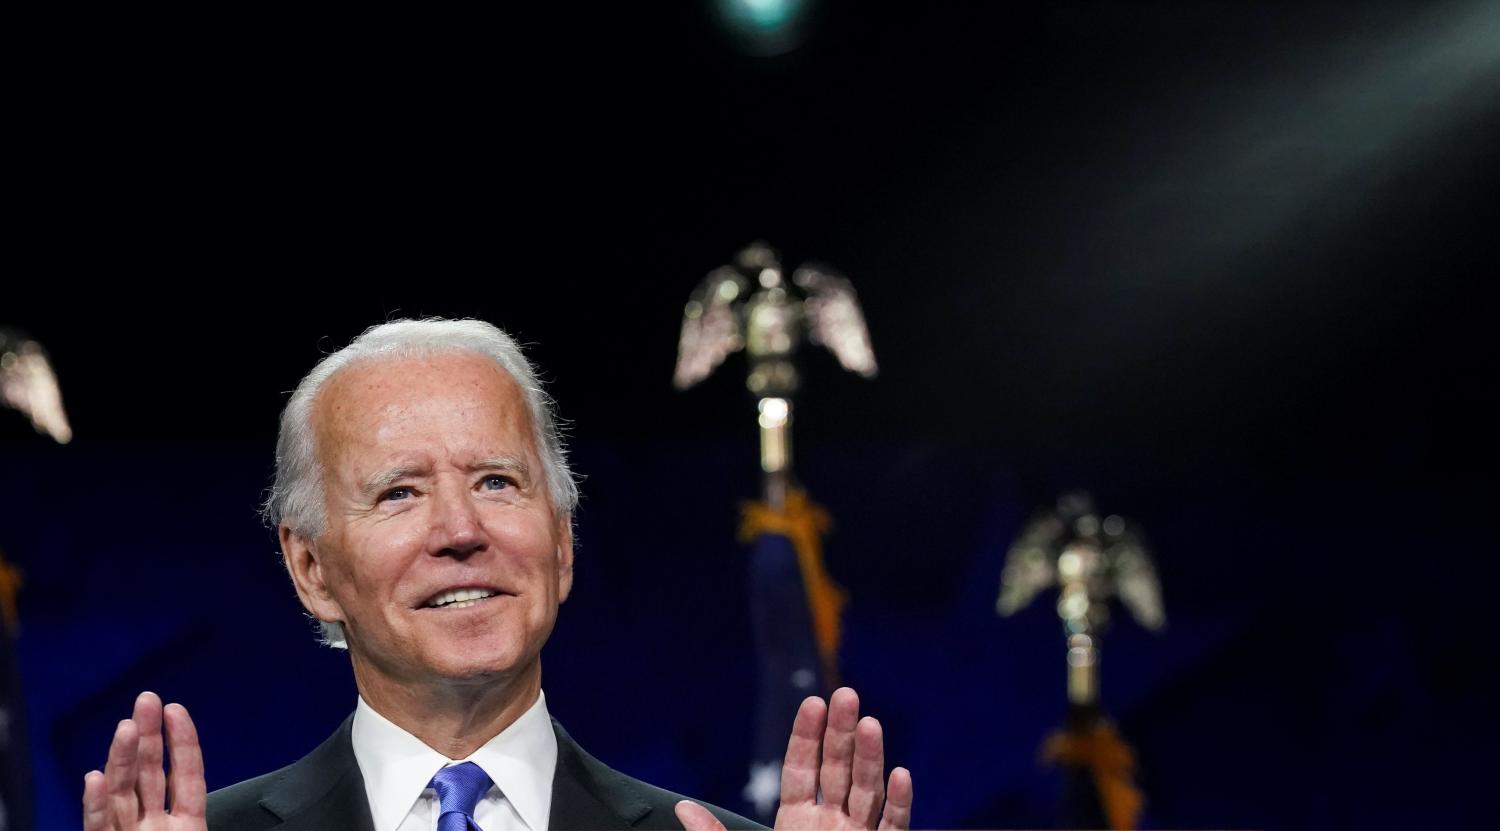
(134, 792)
(835, 752)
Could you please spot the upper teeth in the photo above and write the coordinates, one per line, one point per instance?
(464, 596)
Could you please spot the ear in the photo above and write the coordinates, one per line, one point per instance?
(564, 556)
(305, 565)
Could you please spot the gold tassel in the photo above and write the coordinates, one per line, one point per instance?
(1112, 763)
(10, 586)
(805, 523)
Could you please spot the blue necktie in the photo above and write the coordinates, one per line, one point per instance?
(459, 788)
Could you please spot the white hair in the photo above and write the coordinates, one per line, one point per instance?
(296, 498)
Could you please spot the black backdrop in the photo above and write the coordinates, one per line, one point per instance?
(1227, 266)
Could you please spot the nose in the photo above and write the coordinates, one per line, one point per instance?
(457, 530)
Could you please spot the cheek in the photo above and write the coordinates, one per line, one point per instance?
(530, 553)
(529, 538)
(369, 564)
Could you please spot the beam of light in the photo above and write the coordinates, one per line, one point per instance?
(1269, 149)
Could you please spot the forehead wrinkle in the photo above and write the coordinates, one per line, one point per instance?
(344, 422)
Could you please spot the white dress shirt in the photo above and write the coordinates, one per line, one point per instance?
(397, 767)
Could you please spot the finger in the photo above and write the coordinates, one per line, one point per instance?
(838, 746)
(695, 817)
(868, 789)
(95, 802)
(799, 773)
(151, 784)
(189, 791)
(897, 815)
(120, 774)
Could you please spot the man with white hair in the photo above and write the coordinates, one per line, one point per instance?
(424, 508)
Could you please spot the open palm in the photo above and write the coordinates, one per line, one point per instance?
(134, 793)
(835, 752)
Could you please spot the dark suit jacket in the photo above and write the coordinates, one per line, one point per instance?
(324, 791)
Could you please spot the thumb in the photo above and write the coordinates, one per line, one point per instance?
(695, 817)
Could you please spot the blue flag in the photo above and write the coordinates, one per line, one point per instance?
(17, 813)
(794, 608)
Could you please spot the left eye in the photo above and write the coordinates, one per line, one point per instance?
(495, 483)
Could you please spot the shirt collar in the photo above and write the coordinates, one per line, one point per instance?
(397, 766)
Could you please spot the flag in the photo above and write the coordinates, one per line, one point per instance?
(17, 813)
(794, 609)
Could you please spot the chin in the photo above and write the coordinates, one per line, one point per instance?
(469, 667)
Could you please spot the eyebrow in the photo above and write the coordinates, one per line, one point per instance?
(513, 464)
(378, 483)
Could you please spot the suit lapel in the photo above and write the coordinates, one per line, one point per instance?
(586, 794)
(324, 791)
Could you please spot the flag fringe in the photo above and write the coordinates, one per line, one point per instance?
(804, 523)
(10, 586)
(1111, 761)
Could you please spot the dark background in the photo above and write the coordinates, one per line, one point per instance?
(1227, 265)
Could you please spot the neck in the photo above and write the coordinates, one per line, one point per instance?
(453, 718)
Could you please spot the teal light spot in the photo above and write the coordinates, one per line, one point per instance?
(762, 14)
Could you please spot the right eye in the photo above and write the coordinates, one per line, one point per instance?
(395, 494)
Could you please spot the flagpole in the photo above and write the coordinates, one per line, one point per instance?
(775, 418)
(795, 606)
(1091, 560)
(27, 384)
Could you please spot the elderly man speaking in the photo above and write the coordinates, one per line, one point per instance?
(424, 507)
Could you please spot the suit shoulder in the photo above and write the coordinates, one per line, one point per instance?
(322, 790)
(585, 786)
(237, 807)
(664, 815)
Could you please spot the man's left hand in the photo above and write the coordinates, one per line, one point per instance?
(834, 751)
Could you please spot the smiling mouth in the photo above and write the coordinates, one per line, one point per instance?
(459, 598)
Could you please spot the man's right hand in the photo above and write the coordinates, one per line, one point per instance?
(133, 793)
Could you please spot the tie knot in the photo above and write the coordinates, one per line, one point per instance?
(459, 788)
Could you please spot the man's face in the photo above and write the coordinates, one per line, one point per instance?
(443, 556)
